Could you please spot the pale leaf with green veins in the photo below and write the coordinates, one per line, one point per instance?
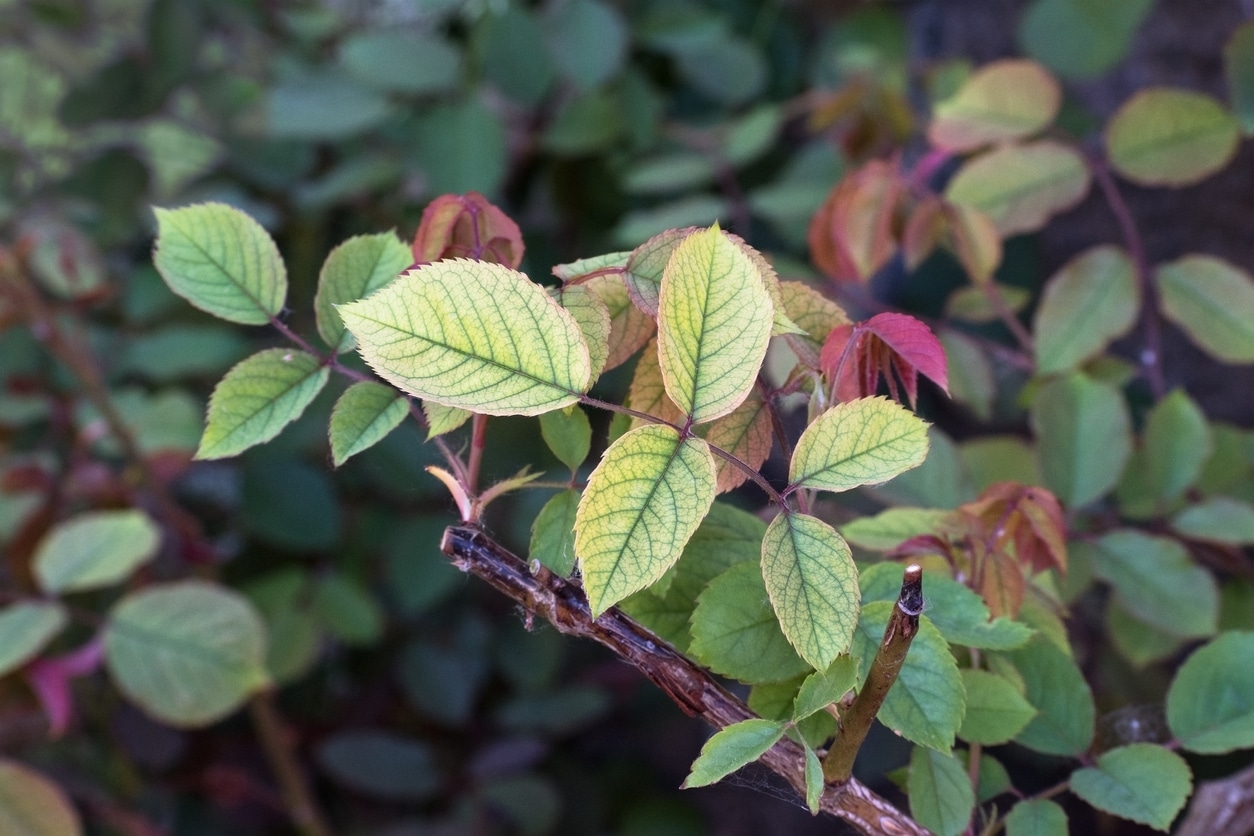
(443, 419)
(941, 796)
(473, 335)
(362, 417)
(813, 586)
(592, 316)
(609, 263)
(355, 269)
(630, 327)
(95, 549)
(25, 628)
(1143, 782)
(189, 653)
(258, 398)
(222, 261)
(642, 504)
(731, 748)
(862, 442)
(714, 322)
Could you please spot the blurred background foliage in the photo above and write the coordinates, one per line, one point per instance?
(420, 699)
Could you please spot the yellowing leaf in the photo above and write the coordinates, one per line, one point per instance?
(642, 503)
(257, 398)
(862, 442)
(1169, 137)
(630, 327)
(593, 318)
(355, 269)
(647, 392)
(714, 322)
(1092, 300)
(813, 585)
(1004, 100)
(975, 241)
(813, 312)
(1020, 187)
(745, 432)
(1213, 302)
(362, 417)
(222, 261)
(473, 335)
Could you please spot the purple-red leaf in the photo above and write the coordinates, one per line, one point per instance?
(50, 680)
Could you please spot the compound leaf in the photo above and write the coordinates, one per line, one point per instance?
(863, 442)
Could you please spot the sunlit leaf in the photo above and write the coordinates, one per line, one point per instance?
(1213, 302)
(1020, 187)
(593, 318)
(443, 419)
(33, 805)
(354, 270)
(1052, 683)
(1090, 301)
(1084, 437)
(25, 628)
(474, 335)
(362, 417)
(222, 261)
(553, 533)
(1171, 137)
(941, 796)
(257, 398)
(1008, 99)
(731, 748)
(95, 549)
(862, 442)
(642, 503)
(996, 712)
(1210, 705)
(1142, 782)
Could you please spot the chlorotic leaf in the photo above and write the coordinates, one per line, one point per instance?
(362, 417)
(1084, 437)
(996, 712)
(814, 781)
(1213, 302)
(257, 398)
(1171, 137)
(1210, 705)
(1008, 99)
(1157, 581)
(25, 628)
(1143, 782)
(731, 748)
(1040, 817)
(552, 533)
(222, 261)
(813, 586)
(355, 269)
(642, 503)
(714, 321)
(647, 264)
(473, 335)
(630, 327)
(1020, 187)
(822, 688)
(647, 392)
(941, 796)
(1088, 303)
(593, 318)
(863, 442)
(188, 653)
(568, 434)
(32, 805)
(584, 268)
(95, 549)
(1052, 683)
(746, 433)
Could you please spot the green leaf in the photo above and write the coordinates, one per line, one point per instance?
(322, 104)
(589, 40)
(381, 764)
(355, 269)
(1041, 817)
(222, 261)
(1143, 782)
(1088, 303)
(257, 398)
(1081, 38)
(347, 610)
(1055, 687)
(1176, 444)
(293, 634)
(1170, 137)
(474, 335)
(1210, 705)
(553, 533)
(1213, 302)
(813, 586)
(568, 434)
(670, 172)
(510, 47)
(1138, 642)
(815, 783)
(941, 797)
(891, 527)
(401, 61)
(822, 688)
(926, 703)
(1239, 69)
(996, 712)
(714, 321)
(642, 503)
(189, 653)
(863, 442)
(971, 381)
(1218, 520)
(362, 417)
(95, 549)
(1156, 580)
(443, 419)
(735, 632)
(1020, 187)
(992, 459)
(32, 805)
(1084, 437)
(25, 628)
(1009, 99)
(731, 748)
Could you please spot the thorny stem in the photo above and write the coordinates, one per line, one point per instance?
(856, 720)
(689, 686)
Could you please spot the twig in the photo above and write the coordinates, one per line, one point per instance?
(300, 804)
(688, 685)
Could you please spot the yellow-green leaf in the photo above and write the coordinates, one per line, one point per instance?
(714, 322)
(731, 748)
(593, 318)
(813, 585)
(1170, 137)
(862, 442)
(1213, 302)
(1005, 100)
(25, 628)
(1020, 187)
(355, 269)
(443, 419)
(474, 335)
(745, 432)
(1143, 782)
(647, 392)
(32, 805)
(1092, 300)
(222, 261)
(258, 398)
(630, 327)
(362, 417)
(643, 501)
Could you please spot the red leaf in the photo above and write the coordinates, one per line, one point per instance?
(50, 680)
(467, 226)
(1001, 584)
(914, 343)
(851, 236)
